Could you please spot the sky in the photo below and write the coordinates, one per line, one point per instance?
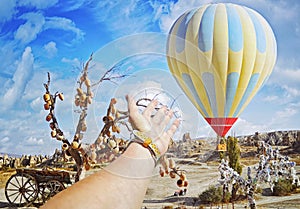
(58, 36)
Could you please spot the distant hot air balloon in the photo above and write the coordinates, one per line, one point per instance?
(221, 55)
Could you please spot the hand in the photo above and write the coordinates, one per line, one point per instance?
(153, 126)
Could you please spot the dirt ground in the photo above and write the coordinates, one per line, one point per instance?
(200, 176)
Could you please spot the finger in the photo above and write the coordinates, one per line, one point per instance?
(149, 109)
(164, 141)
(163, 144)
(160, 115)
(173, 128)
(137, 120)
(166, 119)
(131, 104)
(134, 114)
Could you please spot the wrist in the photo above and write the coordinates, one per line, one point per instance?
(136, 151)
(147, 142)
(135, 163)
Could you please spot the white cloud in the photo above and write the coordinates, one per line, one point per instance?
(272, 10)
(5, 139)
(39, 4)
(128, 17)
(71, 5)
(286, 76)
(176, 10)
(50, 49)
(33, 141)
(270, 98)
(142, 45)
(286, 113)
(288, 81)
(74, 62)
(5, 147)
(136, 86)
(244, 127)
(20, 79)
(34, 90)
(285, 117)
(7, 9)
(31, 28)
(64, 24)
(15, 129)
(292, 92)
(37, 103)
(36, 23)
(8, 59)
(26, 127)
(135, 52)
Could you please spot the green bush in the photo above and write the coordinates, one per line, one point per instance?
(212, 195)
(258, 190)
(283, 187)
(227, 197)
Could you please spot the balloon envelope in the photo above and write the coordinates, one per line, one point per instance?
(221, 55)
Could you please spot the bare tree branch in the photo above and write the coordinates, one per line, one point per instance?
(109, 76)
(83, 99)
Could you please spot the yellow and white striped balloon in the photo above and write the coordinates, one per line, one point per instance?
(221, 55)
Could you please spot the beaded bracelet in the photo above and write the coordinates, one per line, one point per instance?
(146, 142)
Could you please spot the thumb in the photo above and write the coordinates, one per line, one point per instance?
(136, 119)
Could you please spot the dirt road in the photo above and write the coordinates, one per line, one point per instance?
(201, 176)
(4, 203)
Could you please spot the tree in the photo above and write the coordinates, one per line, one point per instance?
(83, 99)
(234, 153)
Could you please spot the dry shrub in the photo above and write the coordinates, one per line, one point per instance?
(168, 207)
(284, 187)
(212, 195)
(4, 176)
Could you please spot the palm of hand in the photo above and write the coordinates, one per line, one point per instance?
(153, 126)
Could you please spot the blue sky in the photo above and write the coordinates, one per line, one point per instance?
(58, 36)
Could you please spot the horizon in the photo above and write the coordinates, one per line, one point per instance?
(194, 138)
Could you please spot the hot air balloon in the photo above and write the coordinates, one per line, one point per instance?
(221, 55)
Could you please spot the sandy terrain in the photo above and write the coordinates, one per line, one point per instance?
(200, 176)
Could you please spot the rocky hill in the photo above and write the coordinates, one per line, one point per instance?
(203, 150)
(275, 138)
